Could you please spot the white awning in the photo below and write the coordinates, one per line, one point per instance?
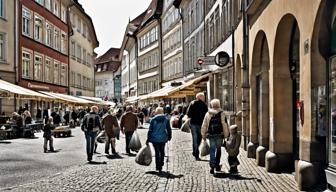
(99, 101)
(147, 75)
(69, 98)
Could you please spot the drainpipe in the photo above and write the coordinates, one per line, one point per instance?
(16, 46)
(245, 82)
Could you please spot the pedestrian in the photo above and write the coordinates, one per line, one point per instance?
(45, 115)
(128, 124)
(74, 117)
(215, 128)
(47, 135)
(38, 114)
(159, 134)
(27, 117)
(196, 112)
(232, 145)
(90, 126)
(110, 124)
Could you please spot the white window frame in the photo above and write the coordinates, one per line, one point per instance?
(63, 74)
(48, 65)
(56, 72)
(26, 21)
(64, 42)
(2, 9)
(26, 64)
(49, 35)
(47, 4)
(57, 39)
(56, 7)
(38, 67)
(63, 13)
(38, 28)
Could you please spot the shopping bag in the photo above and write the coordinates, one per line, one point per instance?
(101, 137)
(205, 148)
(186, 126)
(144, 156)
(135, 143)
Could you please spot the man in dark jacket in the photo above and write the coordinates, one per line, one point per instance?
(128, 124)
(196, 112)
(159, 134)
(110, 124)
(90, 126)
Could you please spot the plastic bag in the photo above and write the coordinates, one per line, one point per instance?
(205, 148)
(186, 126)
(144, 156)
(135, 143)
(101, 137)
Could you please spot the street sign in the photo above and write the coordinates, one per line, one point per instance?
(209, 60)
(222, 59)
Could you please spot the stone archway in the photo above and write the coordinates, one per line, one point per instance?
(285, 94)
(259, 97)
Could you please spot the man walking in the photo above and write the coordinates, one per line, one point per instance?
(128, 124)
(90, 126)
(196, 112)
(159, 134)
(110, 124)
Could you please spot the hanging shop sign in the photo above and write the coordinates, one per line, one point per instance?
(222, 59)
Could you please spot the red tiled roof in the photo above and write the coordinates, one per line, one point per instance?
(111, 59)
(153, 9)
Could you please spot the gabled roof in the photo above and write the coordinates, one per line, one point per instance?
(153, 10)
(111, 55)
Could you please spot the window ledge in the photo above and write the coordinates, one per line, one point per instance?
(3, 18)
(3, 62)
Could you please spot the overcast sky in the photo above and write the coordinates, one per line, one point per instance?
(110, 18)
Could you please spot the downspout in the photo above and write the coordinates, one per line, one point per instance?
(16, 47)
(160, 51)
(245, 84)
(70, 33)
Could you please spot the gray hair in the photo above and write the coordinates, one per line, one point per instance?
(215, 103)
(159, 110)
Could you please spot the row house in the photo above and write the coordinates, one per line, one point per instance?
(83, 41)
(172, 44)
(280, 80)
(149, 49)
(129, 51)
(8, 48)
(107, 75)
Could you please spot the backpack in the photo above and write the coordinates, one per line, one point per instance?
(91, 122)
(215, 125)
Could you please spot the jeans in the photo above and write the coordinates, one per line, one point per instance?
(159, 155)
(109, 141)
(215, 150)
(128, 136)
(196, 139)
(90, 137)
(51, 147)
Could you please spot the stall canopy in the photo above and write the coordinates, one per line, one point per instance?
(9, 90)
(68, 98)
(132, 99)
(188, 88)
(99, 101)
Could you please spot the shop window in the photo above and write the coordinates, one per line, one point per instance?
(226, 89)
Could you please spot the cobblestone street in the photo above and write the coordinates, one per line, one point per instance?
(181, 173)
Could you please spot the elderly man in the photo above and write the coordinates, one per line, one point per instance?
(196, 112)
(128, 124)
(90, 126)
(159, 134)
(110, 123)
(215, 128)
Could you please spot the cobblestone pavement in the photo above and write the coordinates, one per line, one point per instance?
(181, 173)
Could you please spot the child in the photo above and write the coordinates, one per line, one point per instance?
(232, 147)
(48, 135)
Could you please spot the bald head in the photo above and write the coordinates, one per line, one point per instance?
(200, 96)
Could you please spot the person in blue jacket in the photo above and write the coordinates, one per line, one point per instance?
(159, 134)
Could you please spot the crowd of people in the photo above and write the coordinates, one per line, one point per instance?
(207, 124)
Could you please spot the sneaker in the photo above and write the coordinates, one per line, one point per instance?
(212, 171)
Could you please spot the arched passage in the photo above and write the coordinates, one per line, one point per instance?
(259, 79)
(285, 97)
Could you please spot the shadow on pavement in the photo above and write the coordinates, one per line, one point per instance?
(97, 163)
(164, 174)
(5, 142)
(129, 154)
(114, 156)
(55, 151)
(234, 176)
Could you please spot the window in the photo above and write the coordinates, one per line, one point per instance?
(41, 2)
(64, 71)
(63, 13)
(57, 39)
(2, 8)
(84, 57)
(73, 50)
(26, 22)
(26, 61)
(79, 25)
(73, 78)
(79, 53)
(79, 80)
(84, 30)
(56, 72)
(2, 47)
(89, 58)
(64, 43)
(56, 7)
(48, 4)
(38, 62)
(49, 34)
(47, 70)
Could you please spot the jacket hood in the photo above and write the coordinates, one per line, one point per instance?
(160, 117)
(214, 111)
